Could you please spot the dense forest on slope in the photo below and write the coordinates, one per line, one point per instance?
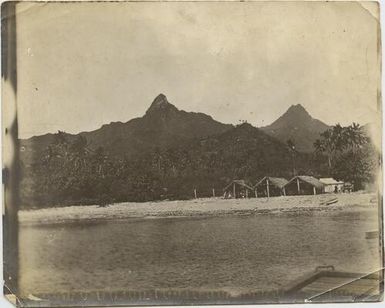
(169, 153)
(71, 173)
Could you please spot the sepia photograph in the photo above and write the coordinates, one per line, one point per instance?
(191, 153)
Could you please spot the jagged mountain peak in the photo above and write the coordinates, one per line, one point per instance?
(160, 99)
(160, 103)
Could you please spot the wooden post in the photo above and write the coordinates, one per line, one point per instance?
(284, 191)
(234, 196)
(268, 189)
(299, 191)
(256, 193)
(195, 193)
(247, 193)
(314, 190)
(213, 192)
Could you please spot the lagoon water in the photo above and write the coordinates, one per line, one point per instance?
(258, 252)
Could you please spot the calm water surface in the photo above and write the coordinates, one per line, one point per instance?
(241, 253)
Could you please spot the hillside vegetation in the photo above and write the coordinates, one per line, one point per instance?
(168, 153)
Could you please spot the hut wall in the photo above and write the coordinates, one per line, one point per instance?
(330, 188)
(273, 190)
(305, 188)
(291, 188)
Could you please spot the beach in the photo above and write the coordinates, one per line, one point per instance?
(203, 207)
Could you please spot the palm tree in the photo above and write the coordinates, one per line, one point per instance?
(327, 145)
(332, 141)
(356, 136)
(290, 144)
(319, 146)
(79, 152)
(338, 139)
(100, 159)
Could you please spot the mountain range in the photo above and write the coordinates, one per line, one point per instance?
(170, 153)
(164, 126)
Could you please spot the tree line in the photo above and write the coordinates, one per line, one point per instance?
(350, 154)
(73, 172)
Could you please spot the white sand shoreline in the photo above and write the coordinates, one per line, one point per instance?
(200, 208)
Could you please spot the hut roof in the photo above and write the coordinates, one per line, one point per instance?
(239, 182)
(279, 182)
(330, 181)
(308, 179)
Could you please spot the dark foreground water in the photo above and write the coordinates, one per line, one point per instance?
(226, 253)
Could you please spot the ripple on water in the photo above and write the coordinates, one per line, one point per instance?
(239, 252)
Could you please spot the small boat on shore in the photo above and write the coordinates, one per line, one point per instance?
(330, 201)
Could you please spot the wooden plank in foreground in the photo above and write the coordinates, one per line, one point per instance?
(330, 285)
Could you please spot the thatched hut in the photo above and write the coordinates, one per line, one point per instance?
(238, 189)
(270, 186)
(304, 185)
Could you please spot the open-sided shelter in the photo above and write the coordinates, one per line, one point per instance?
(304, 185)
(270, 186)
(238, 189)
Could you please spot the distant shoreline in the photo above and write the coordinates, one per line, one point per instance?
(209, 207)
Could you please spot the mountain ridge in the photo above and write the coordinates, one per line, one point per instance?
(297, 125)
(163, 125)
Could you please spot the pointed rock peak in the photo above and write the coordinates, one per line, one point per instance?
(160, 103)
(297, 109)
(160, 99)
(296, 113)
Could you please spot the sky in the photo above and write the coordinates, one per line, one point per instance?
(82, 65)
